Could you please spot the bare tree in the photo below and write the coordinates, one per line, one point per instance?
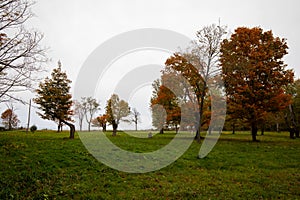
(20, 53)
(79, 112)
(135, 117)
(204, 55)
(90, 107)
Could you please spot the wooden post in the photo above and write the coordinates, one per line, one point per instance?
(28, 121)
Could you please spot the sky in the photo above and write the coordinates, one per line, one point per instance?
(73, 29)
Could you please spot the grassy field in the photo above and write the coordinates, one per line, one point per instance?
(44, 165)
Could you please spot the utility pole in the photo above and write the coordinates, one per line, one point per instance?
(28, 122)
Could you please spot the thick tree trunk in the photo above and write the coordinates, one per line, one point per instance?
(104, 128)
(198, 126)
(292, 133)
(297, 133)
(135, 126)
(201, 106)
(198, 136)
(72, 128)
(254, 130)
(115, 128)
(161, 131)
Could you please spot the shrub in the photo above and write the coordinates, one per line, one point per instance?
(33, 128)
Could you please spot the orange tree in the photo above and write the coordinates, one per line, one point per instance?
(101, 121)
(10, 119)
(254, 74)
(167, 99)
(196, 91)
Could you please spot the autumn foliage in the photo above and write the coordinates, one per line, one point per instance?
(10, 119)
(54, 99)
(167, 99)
(254, 74)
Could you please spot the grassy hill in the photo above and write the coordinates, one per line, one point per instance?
(44, 165)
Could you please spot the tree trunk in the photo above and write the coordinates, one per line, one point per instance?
(233, 128)
(209, 131)
(72, 128)
(89, 126)
(292, 133)
(161, 131)
(254, 130)
(201, 106)
(10, 121)
(198, 137)
(263, 129)
(58, 127)
(135, 126)
(176, 128)
(198, 126)
(104, 128)
(277, 127)
(80, 126)
(297, 133)
(115, 128)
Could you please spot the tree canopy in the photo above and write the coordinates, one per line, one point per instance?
(10, 119)
(116, 110)
(254, 74)
(54, 99)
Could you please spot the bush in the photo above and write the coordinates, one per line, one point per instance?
(33, 128)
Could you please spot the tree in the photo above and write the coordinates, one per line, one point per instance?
(167, 99)
(20, 52)
(10, 119)
(103, 121)
(54, 99)
(158, 112)
(100, 121)
(79, 112)
(199, 66)
(254, 74)
(296, 102)
(90, 107)
(116, 111)
(135, 117)
(292, 114)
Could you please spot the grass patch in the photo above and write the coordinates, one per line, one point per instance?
(43, 165)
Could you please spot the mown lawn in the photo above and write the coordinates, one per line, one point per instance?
(44, 165)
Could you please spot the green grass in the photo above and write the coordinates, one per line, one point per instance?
(44, 165)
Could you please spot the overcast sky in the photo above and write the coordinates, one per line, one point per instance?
(74, 28)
